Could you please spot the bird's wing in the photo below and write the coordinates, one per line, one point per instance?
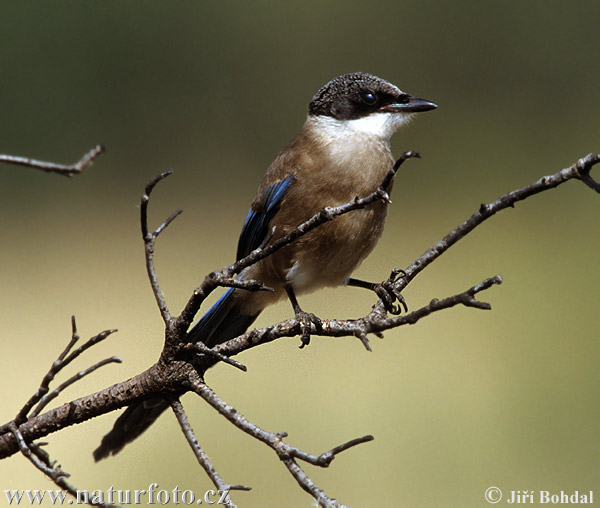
(256, 226)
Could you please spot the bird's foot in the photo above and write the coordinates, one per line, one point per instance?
(306, 320)
(386, 291)
(389, 293)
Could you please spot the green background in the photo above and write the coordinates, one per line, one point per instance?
(462, 401)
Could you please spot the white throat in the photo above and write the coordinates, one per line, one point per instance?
(377, 125)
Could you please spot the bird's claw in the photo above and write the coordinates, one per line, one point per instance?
(389, 294)
(306, 320)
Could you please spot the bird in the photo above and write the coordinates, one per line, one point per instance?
(342, 152)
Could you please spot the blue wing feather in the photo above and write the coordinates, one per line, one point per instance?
(256, 226)
(225, 320)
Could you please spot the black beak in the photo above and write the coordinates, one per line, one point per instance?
(413, 105)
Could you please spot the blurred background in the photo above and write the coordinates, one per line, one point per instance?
(463, 400)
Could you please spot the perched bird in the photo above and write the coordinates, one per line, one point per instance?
(342, 152)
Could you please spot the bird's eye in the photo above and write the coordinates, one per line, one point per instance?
(369, 98)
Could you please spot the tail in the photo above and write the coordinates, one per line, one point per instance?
(223, 321)
(133, 422)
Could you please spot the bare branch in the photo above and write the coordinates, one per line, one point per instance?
(248, 285)
(365, 340)
(200, 454)
(200, 348)
(580, 170)
(96, 339)
(56, 474)
(327, 457)
(309, 486)
(328, 213)
(274, 440)
(155, 381)
(584, 166)
(41, 396)
(170, 377)
(45, 400)
(150, 241)
(60, 363)
(74, 339)
(51, 167)
(372, 323)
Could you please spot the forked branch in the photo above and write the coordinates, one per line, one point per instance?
(327, 214)
(182, 365)
(578, 171)
(275, 440)
(33, 451)
(51, 167)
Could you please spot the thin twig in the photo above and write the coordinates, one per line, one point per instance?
(177, 378)
(56, 474)
(56, 366)
(327, 457)
(73, 379)
(149, 243)
(580, 170)
(51, 167)
(584, 166)
(74, 338)
(200, 454)
(64, 359)
(201, 348)
(166, 223)
(309, 486)
(87, 345)
(371, 323)
(274, 440)
(329, 213)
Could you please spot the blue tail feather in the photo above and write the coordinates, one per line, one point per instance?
(223, 321)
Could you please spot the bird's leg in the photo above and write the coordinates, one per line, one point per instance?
(306, 319)
(385, 290)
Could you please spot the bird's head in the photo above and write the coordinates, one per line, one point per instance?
(365, 103)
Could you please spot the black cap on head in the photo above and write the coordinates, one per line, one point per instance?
(358, 94)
